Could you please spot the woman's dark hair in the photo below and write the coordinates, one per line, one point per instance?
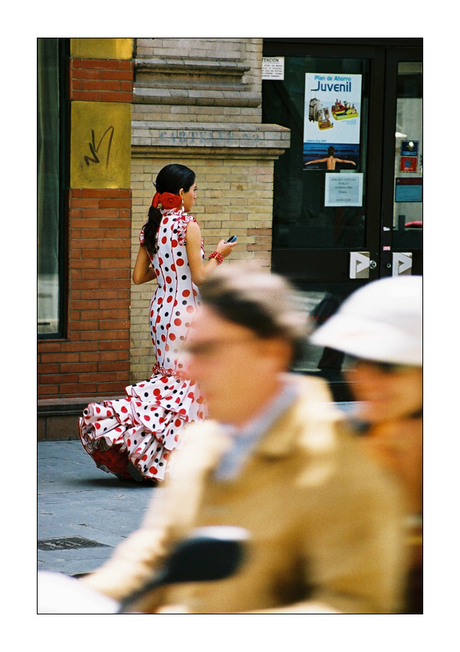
(171, 179)
(266, 303)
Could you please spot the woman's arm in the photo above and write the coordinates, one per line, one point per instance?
(143, 272)
(199, 270)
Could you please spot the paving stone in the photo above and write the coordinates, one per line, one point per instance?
(76, 499)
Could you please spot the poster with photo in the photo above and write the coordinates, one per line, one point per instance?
(332, 121)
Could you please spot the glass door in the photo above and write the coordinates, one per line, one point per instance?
(327, 187)
(347, 193)
(403, 185)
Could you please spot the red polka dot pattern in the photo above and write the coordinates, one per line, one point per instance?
(145, 427)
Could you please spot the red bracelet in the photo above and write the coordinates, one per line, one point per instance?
(219, 258)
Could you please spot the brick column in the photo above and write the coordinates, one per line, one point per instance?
(93, 359)
(101, 80)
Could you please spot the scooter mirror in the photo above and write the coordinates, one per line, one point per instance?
(209, 554)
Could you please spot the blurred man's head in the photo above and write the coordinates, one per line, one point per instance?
(248, 331)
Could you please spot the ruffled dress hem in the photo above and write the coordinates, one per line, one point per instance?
(134, 437)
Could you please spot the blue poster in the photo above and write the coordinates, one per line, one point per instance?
(332, 121)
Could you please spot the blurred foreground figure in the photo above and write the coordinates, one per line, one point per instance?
(324, 522)
(380, 328)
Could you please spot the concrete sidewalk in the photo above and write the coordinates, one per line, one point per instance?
(83, 512)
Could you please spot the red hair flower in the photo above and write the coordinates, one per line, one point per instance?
(167, 200)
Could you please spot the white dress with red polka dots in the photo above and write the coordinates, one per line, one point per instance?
(135, 436)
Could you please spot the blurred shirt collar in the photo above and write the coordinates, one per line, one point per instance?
(244, 439)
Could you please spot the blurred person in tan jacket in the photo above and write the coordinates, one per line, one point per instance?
(379, 328)
(324, 522)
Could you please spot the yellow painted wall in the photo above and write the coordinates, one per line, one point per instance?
(101, 48)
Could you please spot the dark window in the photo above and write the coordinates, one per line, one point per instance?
(51, 184)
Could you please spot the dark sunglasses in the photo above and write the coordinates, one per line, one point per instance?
(384, 367)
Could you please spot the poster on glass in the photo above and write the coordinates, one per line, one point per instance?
(332, 122)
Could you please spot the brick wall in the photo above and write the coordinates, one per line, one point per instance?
(101, 80)
(107, 344)
(92, 360)
(198, 102)
(243, 90)
(234, 197)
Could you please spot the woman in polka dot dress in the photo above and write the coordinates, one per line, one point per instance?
(134, 437)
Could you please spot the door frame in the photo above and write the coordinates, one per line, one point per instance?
(383, 55)
(394, 57)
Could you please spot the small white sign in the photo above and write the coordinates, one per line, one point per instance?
(343, 189)
(273, 68)
(402, 263)
(359, 264)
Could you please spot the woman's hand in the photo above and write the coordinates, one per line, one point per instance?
(199, 270)
(225, 248)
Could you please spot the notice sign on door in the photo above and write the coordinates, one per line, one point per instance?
(332, 121)
(343, 189)
(273, 68)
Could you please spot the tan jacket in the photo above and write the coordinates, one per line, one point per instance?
(324, 523)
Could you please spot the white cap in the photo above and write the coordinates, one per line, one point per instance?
(380, 321)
